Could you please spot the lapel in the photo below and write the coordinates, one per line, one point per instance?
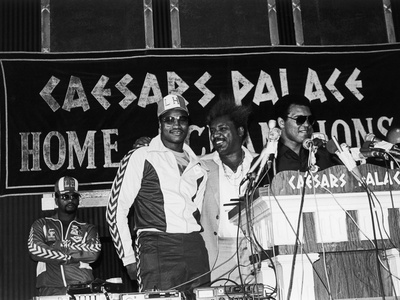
(213, 181)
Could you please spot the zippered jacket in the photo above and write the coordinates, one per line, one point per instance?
(163, 199)
(63, 260)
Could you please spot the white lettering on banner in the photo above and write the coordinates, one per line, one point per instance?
(353, 84)
(241, 86)
(201, 85)
(150, 86)
(99, 92)
(330, 85)
(150, 93)
(357, 129)
(75, 87)
(176, 85)
(45, 93)
(199, 130)
(284, 82)
(265, 83)
(396, 177)
(72, 149)
(319, 180)
(129, 96)
(331, 181)
(313, 86)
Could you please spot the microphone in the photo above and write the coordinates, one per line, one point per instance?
(381, 144)
(271, 149)
(317, 140)
(364, 153)
(343, 152)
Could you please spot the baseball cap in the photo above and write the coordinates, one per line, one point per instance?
(66, 185)
(170, 102)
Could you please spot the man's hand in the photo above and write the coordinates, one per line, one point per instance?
(132, 271)
(141, 142)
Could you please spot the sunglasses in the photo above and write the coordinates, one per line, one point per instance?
(67, 197)
(300, 120)
(171, 120)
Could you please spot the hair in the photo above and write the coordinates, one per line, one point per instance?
(226, 106)
(282, 107)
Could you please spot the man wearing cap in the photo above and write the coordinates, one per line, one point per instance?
(63, 246)
(164, 183)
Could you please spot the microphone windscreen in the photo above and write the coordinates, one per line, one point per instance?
(367, 145)
(331, 147)
(318, 142)
(370, 137)
(319, 135)
(307, 144)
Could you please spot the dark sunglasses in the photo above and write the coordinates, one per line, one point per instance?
(171, 120)
(300, 120)
(67, 197)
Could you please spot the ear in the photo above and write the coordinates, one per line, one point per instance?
(281, 122)
(240, 131)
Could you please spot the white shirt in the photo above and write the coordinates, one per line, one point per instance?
(229, 185)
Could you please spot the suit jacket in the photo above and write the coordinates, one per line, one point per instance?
(210, 214)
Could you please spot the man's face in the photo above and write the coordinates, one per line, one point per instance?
(174, 127)
(293, 132)
(225, 137)
(68, 203)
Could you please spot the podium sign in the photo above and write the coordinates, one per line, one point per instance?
(335, 218)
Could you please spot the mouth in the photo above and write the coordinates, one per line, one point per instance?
(218, 143)
(304, 131)
(176, 132)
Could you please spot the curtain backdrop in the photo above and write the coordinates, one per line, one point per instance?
(79, 113)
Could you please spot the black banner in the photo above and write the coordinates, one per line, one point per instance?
(79, 113)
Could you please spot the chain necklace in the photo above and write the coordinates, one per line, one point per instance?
(234, 176)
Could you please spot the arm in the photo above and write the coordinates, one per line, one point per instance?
(39, 250)
(141, 142)
(132, 271)
(89, 249)
(199, 199)
(124, 190)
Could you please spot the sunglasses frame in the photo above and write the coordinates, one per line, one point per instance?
(170, 120)
(70, 197)
(307, 118)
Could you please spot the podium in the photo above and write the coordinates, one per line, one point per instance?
(340, 238)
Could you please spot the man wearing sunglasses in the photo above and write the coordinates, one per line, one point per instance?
(295, 118)
(63, 246)
(227, 166)
(164, 183)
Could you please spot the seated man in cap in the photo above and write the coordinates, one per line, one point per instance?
(63, 246)
(164, 183)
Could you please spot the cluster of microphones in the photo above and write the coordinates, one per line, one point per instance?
(372, 147)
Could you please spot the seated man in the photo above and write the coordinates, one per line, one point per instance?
(63, 246)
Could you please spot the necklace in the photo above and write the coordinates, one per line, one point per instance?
(231, 175)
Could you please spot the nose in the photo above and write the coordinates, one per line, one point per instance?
(215, 134)
(176, 123)
(306, 123)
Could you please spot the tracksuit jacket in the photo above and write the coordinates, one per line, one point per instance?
(54, 251)
(163, 200)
